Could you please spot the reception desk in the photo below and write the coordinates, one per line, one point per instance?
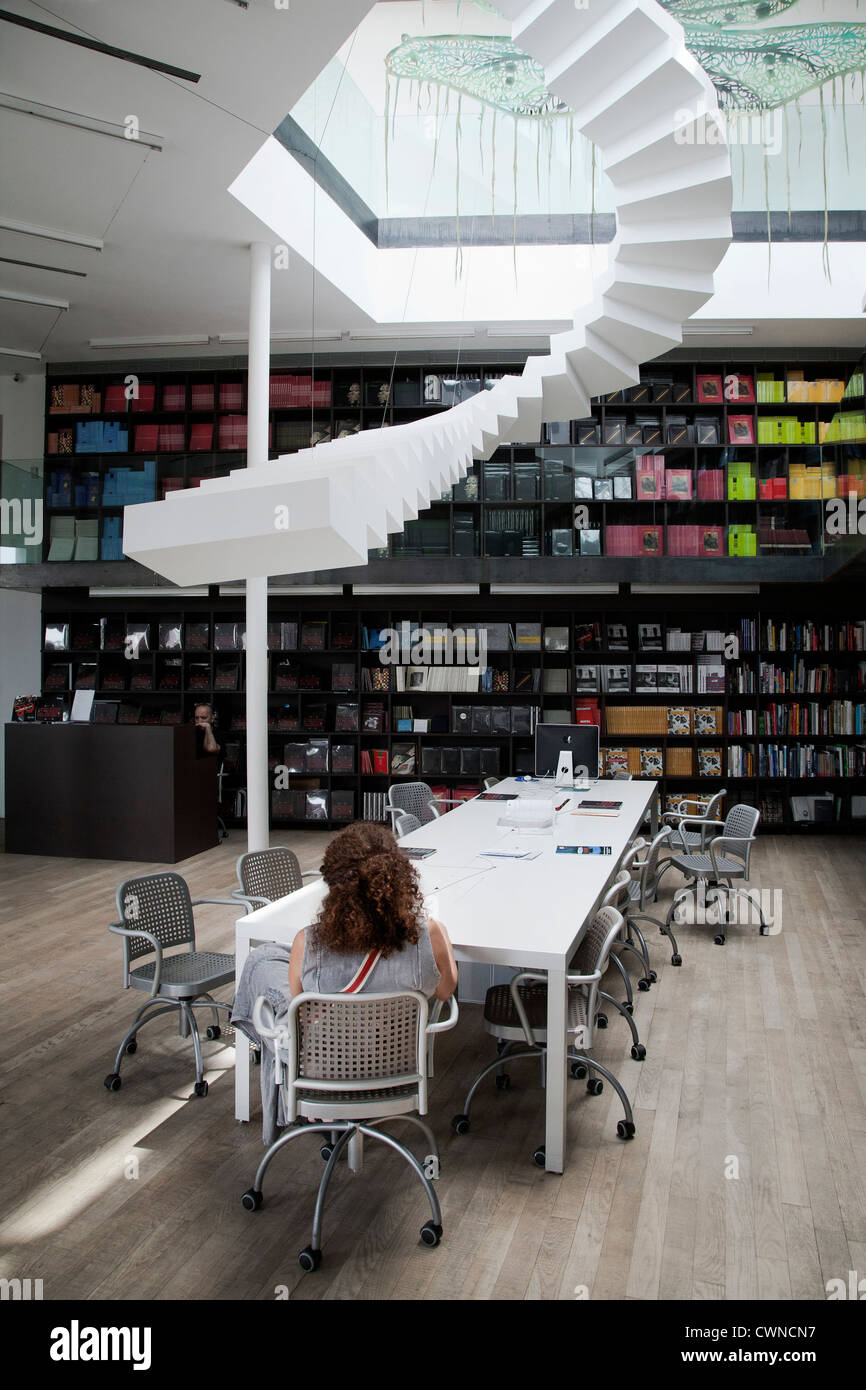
(106, 791)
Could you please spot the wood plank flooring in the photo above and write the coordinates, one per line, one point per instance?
(747, 1177)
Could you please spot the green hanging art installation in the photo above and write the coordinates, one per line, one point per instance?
(753, 69)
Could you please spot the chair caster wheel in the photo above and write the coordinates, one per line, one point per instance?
(213, 1032)
(676, 959)
(601, 1020)
(460, 1124)
(131, 1048)
(643, 985)
(112, 1082)
(720, 939)
(326, 1150)
(252, 1200)
(257, 1056)
(503, 1082)
(578, 1071)
(629, 1008)
(638, 1052)
(625, 1129)
(431, 1234)
(310, 1259)
(652, 977)
(594, 1086)
(539, 1158)
(200, 1088)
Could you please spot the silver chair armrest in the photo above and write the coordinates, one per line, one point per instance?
(230, 902)
(727, 840)
(519, 979)
(263, 1019)
(585, 979)
(442, 1025)
(311, 873)
(445, 801)
(120, 930)
(698, 820)
(250, 902)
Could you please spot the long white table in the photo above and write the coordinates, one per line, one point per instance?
(526, 914)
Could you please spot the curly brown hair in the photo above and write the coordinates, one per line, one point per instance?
(374, 901)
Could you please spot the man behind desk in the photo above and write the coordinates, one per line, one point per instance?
(207, 741)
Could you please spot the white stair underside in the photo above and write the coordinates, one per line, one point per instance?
(623, 67)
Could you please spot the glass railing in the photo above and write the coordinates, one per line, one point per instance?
(21, 512)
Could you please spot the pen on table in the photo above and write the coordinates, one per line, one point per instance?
(561, 804)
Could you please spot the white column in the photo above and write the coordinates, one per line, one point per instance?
(257, 589)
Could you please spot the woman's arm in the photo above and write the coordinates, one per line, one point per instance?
(296, 964)
(443, 954)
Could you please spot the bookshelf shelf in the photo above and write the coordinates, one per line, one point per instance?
(519, 503)
(579, 633)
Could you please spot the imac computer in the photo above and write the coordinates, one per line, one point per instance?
(567, 752)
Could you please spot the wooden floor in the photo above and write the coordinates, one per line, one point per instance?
(747, 1177)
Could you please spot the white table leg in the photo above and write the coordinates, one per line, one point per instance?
(242, 1046)
(554, 1137)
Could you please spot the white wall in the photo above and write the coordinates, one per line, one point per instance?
(22, 406)
(22, 410)
(20, 664)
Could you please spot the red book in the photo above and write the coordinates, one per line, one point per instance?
(146, 398)
(741, 429)
(650, 540)
(739, 388)
(710, 389)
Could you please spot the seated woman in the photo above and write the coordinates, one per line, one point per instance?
(371, 931)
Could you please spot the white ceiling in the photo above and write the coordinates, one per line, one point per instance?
(174, 260)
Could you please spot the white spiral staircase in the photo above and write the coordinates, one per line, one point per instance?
(623, 68)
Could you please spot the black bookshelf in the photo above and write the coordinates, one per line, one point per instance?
(518, 506)
(203, 669)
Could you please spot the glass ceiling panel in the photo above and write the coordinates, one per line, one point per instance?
(429, 111)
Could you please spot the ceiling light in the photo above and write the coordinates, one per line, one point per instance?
(554, 589)
(40, 265)
(82, 41)
(42, 301)
(717, 330)
(226, 339)
(136, 591)
(8, 224)
(157, 340)
(362, 590)
(20, 352)
(92, 124)
(418, 334)
(695, 588)
(285, 590)
(525, 331)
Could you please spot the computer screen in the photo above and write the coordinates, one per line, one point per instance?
(580, 740)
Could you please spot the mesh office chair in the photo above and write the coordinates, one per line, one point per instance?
(156, 912)
(684, 841)
(728, 857)
(350, 1064)
(516, 1015)
(265, 875)
(404, 824)
(417, 799)
(645, 873)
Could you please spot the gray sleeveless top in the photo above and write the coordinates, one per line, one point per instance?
(413, 967)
